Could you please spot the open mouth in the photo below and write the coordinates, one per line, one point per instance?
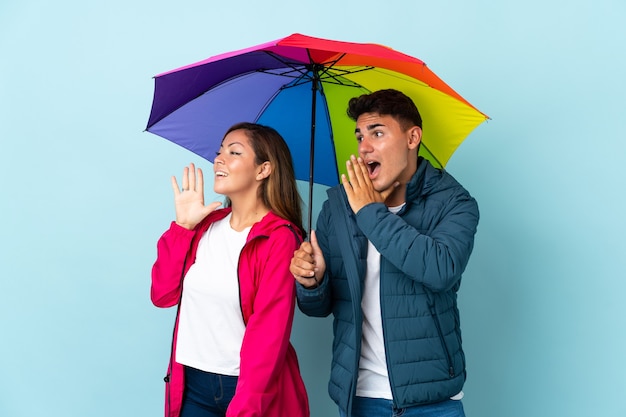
(220, 174)
(373, 168)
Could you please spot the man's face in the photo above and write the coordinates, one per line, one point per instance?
(388, 151)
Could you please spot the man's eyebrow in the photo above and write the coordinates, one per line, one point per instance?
(369, 127)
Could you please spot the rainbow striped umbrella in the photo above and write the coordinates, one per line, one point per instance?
(300, 85)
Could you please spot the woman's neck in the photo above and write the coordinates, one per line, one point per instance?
(245, 214)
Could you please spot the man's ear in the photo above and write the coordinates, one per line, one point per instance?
(415, 137)
(264, 170)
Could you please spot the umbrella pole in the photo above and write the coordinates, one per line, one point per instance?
(314, 88)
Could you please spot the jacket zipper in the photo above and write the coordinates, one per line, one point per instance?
(239, 264)
(389, 373)
(172, 353)
(243, 317)
(358, 332)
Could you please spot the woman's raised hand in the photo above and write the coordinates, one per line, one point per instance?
(189, 202)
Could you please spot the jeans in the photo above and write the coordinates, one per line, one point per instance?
(379, 407)
(207, 394)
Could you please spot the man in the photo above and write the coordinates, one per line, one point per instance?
(386, 259)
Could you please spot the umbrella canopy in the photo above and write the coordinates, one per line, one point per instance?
(300, 85)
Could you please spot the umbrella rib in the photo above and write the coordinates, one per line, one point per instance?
(300, 74)
(301, 71)
(432, 155)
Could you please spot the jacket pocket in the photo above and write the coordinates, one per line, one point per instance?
(444, 345)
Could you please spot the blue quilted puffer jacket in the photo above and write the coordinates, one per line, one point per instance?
(424, 250)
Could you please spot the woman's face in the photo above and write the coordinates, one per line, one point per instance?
(235, 169)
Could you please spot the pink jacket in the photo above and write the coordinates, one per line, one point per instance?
(269, 383)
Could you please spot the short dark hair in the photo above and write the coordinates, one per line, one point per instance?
(388, 102)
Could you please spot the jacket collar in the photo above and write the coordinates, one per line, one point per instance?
(268, 223)
(417, 184)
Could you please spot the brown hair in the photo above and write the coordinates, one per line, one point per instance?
(279, 191)
(387, 102)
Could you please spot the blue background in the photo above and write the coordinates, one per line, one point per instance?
(86, 193)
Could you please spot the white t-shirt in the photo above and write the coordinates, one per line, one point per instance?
(210, 326)
(373, 379)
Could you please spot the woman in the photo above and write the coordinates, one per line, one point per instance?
(228, 272)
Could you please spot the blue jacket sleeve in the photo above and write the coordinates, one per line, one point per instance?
(435, 256)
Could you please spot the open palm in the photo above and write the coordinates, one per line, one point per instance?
(189, 202)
